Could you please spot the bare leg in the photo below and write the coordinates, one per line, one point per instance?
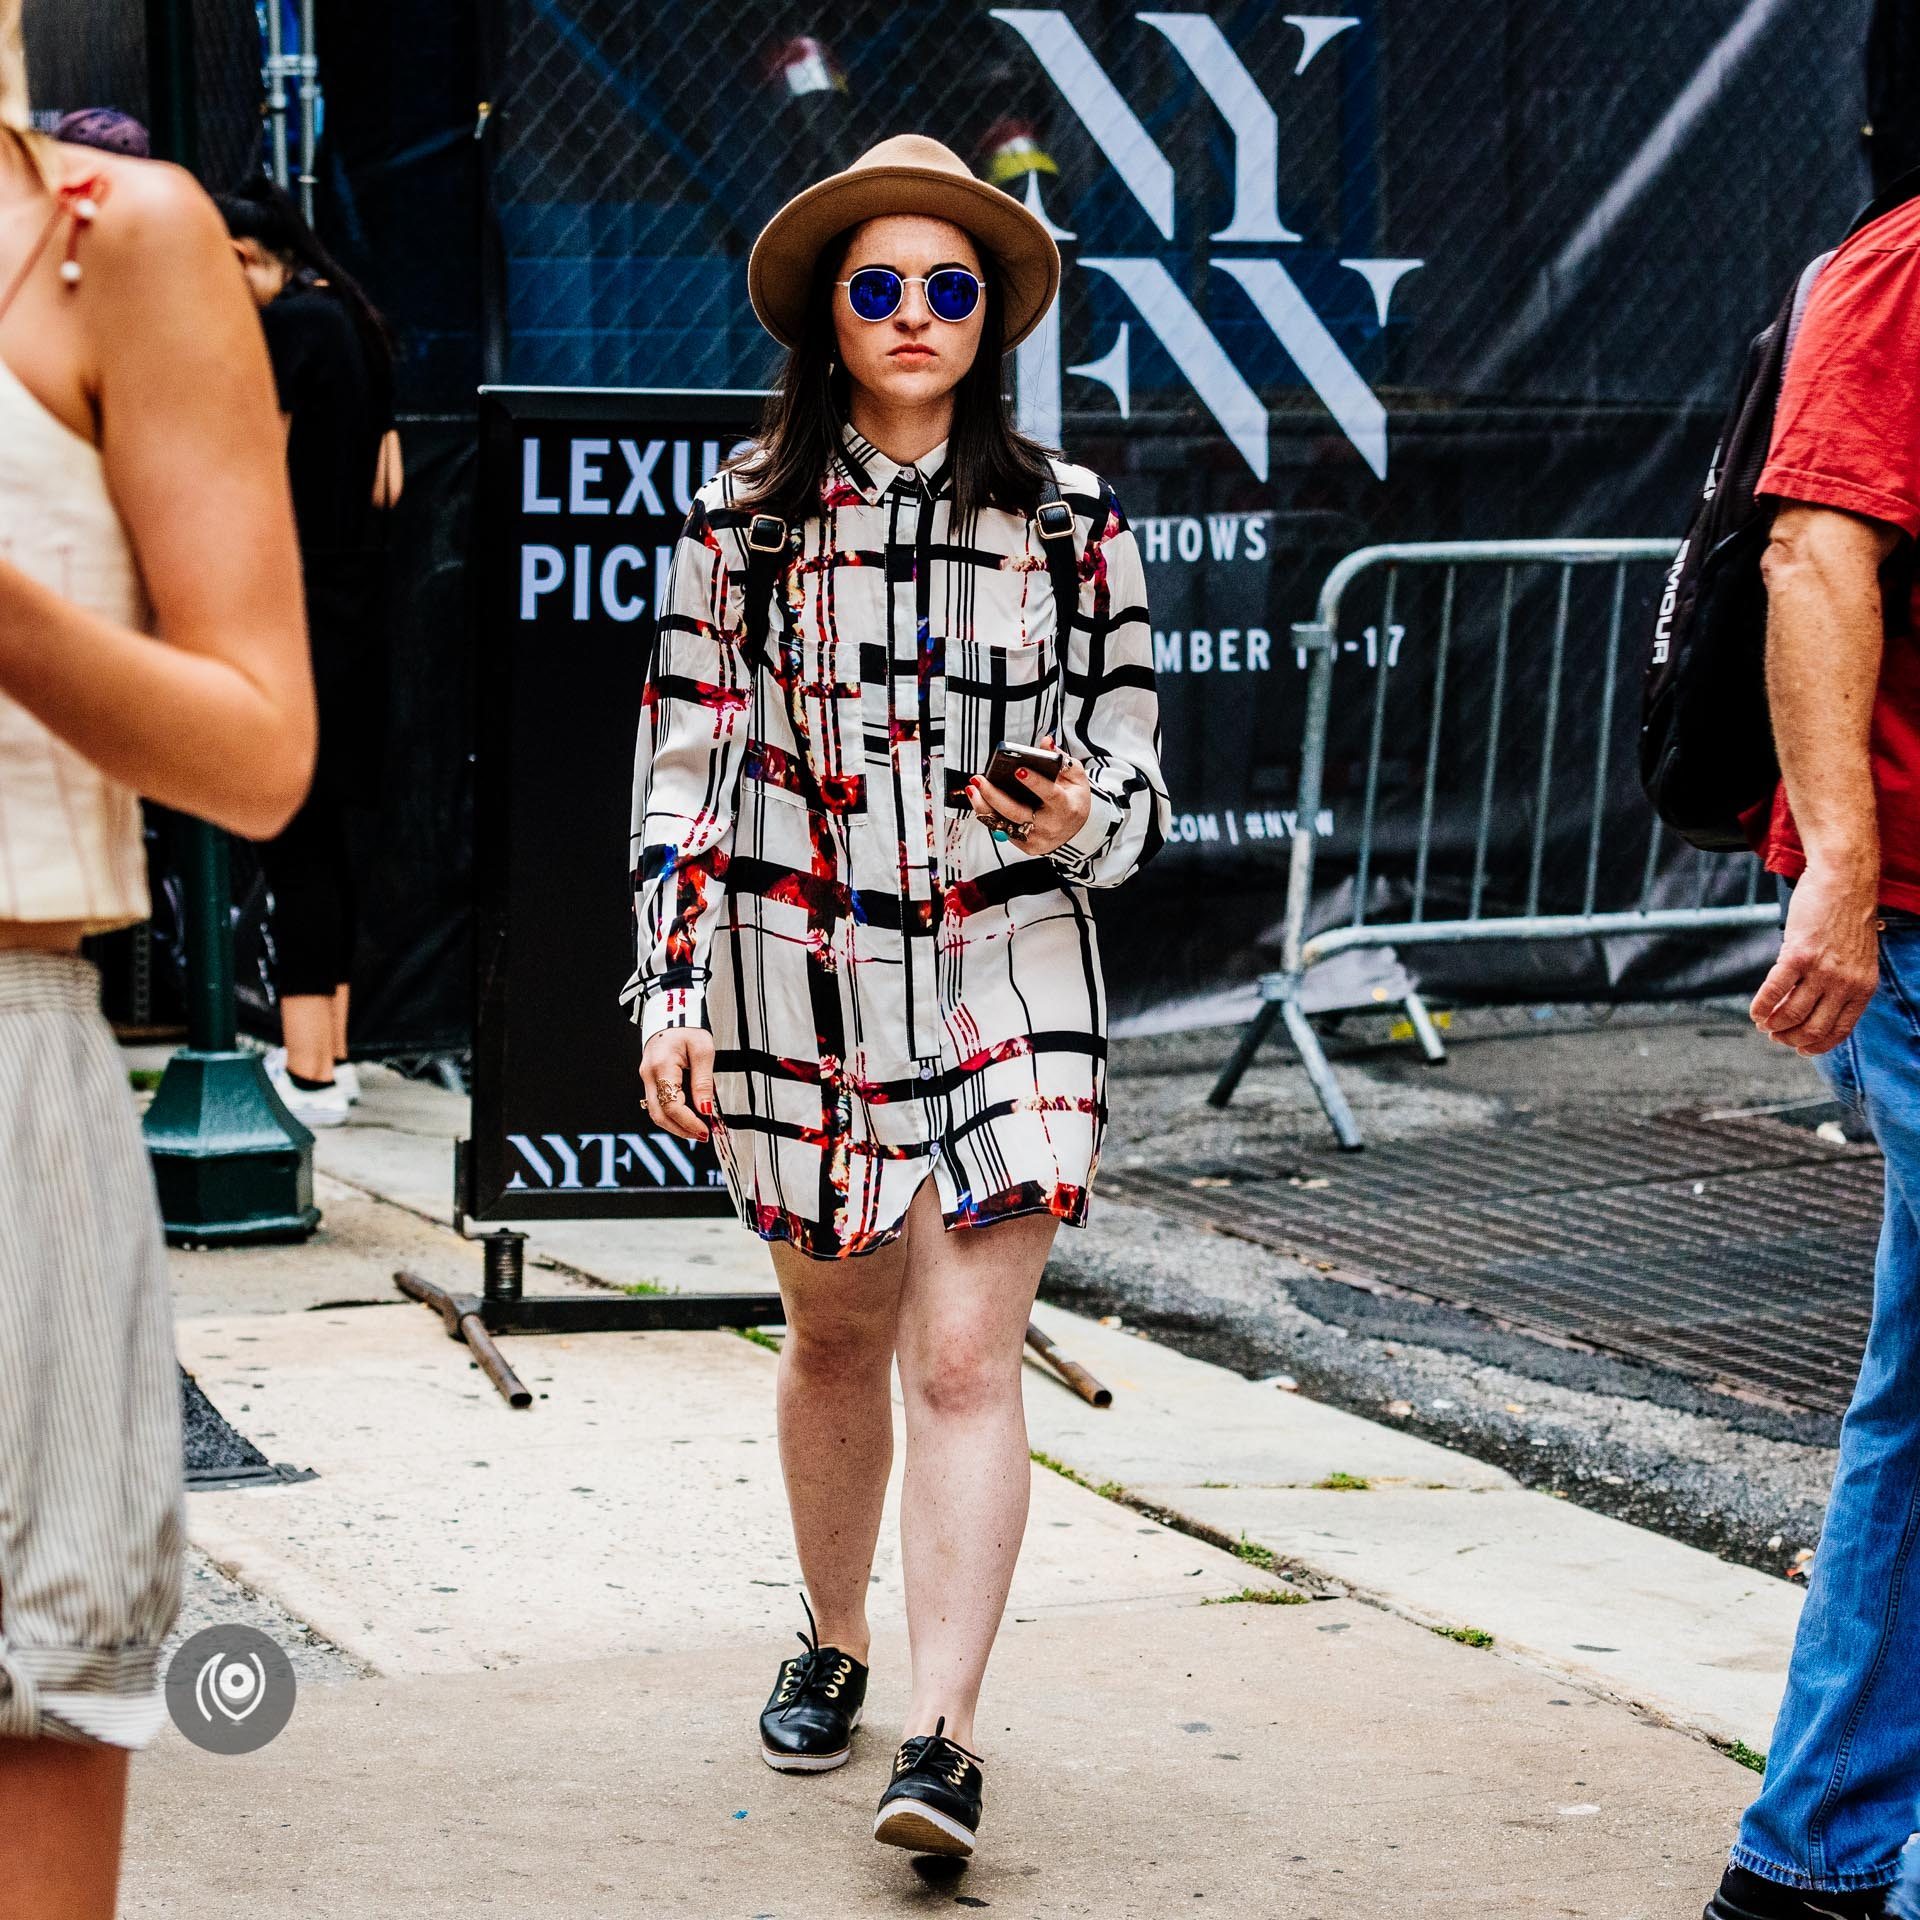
(836, 1424)
(60, 1839)
(963, 1322)
(340, 995)
(306, 1024)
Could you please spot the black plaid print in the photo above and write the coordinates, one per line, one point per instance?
(891, 991)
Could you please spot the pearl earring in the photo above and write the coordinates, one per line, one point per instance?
(84, 205)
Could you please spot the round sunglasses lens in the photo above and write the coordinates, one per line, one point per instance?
(953, 293)
(874, 292)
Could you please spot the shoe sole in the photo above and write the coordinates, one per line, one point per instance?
(804, 1762)
(919, 1828)
(811, 1762)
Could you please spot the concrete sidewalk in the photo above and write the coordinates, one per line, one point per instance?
(547, 1632)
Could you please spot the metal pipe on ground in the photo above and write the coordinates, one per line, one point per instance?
(461, 1312)
(1071, 1371)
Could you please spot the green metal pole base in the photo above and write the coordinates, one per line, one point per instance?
(233, 1166)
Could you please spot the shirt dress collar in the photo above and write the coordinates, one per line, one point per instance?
(872, 473)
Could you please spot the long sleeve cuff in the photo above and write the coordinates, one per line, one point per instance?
(670, 1007)
(1075, 857)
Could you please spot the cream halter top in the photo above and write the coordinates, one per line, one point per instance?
(70, 838)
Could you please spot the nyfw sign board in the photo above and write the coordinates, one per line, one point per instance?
(1249, 250)
(1185, 321)
(582, 495)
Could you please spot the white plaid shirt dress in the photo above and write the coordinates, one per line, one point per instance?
(891, 991)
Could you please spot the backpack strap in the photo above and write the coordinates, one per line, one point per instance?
(1053, 521)
(1797, 310)
(766, 561)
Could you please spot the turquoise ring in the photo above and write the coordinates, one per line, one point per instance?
(999, 833)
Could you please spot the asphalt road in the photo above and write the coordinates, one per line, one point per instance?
(1743, 1479)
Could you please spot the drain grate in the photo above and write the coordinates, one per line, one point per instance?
(1738, 1252)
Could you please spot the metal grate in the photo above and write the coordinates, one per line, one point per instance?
(1738, 1252)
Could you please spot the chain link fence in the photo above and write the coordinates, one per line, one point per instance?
(93, 53)
(1601, 197)
(1389, 271)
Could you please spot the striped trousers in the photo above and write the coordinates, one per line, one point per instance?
(91, 1505)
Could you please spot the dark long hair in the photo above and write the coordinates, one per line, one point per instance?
(261, 212)
(993, 464)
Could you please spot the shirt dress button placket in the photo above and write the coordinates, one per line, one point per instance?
(918, 854)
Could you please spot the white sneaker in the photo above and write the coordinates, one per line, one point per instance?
(346, 1076)
(312, 1106)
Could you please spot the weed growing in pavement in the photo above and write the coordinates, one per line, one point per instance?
(1746, 1756)
(1342, 1483)
(1256, 1555)
(643, 1286)
(143, 1079)
(1259, 1597)
(1106, 1489)
(1467, 1636)
(760, 1337)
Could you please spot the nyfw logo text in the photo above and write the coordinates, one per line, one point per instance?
(1257, 223)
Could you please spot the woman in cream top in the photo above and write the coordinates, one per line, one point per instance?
(151, 642)
(70, 843)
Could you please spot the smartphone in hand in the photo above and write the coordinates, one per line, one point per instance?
(1003, 770)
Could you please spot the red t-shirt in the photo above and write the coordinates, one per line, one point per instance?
(1847, 434)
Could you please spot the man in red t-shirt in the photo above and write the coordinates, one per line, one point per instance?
(1843, 680)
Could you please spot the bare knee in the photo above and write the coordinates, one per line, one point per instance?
(838, 1346)
(959, 1379)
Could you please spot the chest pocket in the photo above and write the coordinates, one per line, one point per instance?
(1005, 676)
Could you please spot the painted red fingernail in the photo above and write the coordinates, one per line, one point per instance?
(1021, 774)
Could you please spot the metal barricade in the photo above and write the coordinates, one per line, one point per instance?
(1483, 898)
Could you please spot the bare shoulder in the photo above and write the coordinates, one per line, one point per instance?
(161, 291)
(152, 215)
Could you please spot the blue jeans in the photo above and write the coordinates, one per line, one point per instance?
(1905, 1903)
(1842, 1790)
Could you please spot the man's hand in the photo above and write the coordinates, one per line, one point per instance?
(677, 1072)
(1829, 961)
(1062, 810)
(1824, 635)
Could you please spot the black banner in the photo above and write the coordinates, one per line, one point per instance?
(582, 496)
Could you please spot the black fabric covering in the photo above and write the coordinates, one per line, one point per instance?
(413, 976)
(401, 195)
(1893, 90)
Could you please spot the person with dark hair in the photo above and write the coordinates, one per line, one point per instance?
(867, 965)
(333, 365)
(150, 645)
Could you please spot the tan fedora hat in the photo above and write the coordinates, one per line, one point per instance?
(907, 174)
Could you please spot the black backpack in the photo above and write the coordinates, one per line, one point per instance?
(1706, 740)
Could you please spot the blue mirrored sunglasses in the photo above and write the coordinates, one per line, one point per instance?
(875, 293)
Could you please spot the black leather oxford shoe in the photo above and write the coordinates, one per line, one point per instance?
(932, 1803)
(807, 1724)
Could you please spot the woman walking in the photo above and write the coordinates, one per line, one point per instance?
(333, 369)
(150, 643)
(867, 971)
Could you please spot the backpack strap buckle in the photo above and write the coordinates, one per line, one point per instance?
(766, 533)
(1054, 518)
